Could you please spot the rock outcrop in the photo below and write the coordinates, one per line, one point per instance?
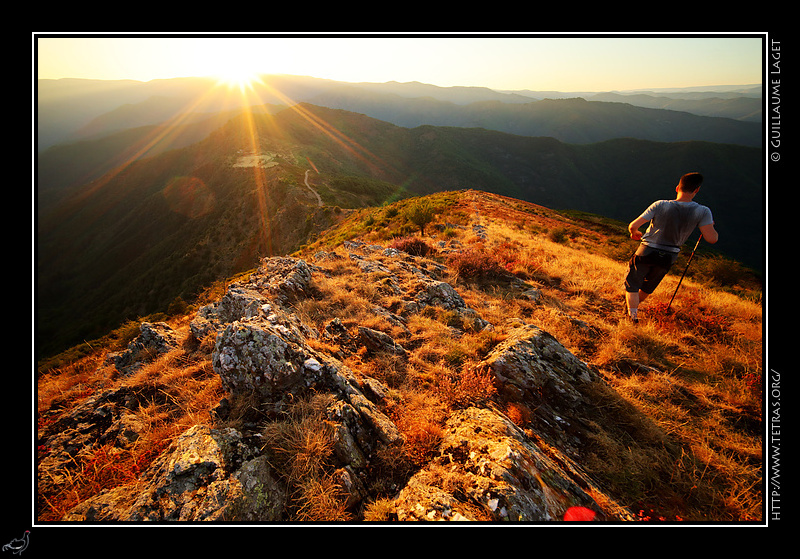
(485, 468)
(153, 340)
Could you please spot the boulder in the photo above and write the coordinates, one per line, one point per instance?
(194, 480)
(375, 340)
(268, 359)
(533, 368)
(487, 469)
(154, 339)
(531, 361)
(283, 279)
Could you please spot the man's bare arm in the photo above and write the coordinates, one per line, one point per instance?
(709, 233)
(633, 228)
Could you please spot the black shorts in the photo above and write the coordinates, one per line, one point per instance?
(647, 268)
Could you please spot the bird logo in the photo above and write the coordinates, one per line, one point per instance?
(18, 545)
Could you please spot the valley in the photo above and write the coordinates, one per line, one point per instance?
(316, 315)
(377, 280)
(115, 248)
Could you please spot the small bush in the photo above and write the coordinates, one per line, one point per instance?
(420, 213)
(413, 246)
(558, 235)
(421, 436)
(419, 418)
(466, 386)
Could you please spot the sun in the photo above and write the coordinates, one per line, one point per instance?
(237, 78)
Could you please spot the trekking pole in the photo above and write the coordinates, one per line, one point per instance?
(684, 272)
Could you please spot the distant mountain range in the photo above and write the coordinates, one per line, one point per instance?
(141, 201)
(73, 109)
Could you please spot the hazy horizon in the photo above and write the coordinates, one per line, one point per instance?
(507, 63)
(704, 88)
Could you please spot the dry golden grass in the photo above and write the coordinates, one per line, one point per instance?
(690, 378)
(696, 375)
(186, 391)
(300, 447)
(379, 510)
(69, 384)
(301, 444)
(677, 417)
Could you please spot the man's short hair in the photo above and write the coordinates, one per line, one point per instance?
(690, 182)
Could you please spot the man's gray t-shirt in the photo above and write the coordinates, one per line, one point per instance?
(671, 223)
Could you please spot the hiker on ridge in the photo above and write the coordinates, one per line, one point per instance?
(671, 223)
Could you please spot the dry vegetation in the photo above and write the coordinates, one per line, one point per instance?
(181, 387)
(689, 436)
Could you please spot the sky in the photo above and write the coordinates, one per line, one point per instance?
(553, 62)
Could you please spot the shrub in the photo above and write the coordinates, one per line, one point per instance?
(419, 418)
(558, 235)
(420, 213)
(471, 385)
(413, 246)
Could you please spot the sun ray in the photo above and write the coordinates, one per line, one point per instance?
(238, 78)
(159, 134)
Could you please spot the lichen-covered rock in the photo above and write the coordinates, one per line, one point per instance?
(258, 356)
(375, 340)
(240, 302)
(533, 368)
(283, 279)
(255, 493)
(154, 339)
(190, 481)
(278, 282)
(531, 361)
(488, 469)
(439, 294)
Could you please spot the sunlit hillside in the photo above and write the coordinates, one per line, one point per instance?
(159, 229)
(673, 432)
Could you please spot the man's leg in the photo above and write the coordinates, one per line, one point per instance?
(633, 299)
(637, 273)
(645, 273)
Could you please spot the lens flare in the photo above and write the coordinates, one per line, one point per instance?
(237, 78)
(189, 196)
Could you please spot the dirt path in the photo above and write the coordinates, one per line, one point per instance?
(319, 199)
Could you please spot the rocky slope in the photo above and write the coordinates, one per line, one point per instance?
(262, 348)
(285, 343)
